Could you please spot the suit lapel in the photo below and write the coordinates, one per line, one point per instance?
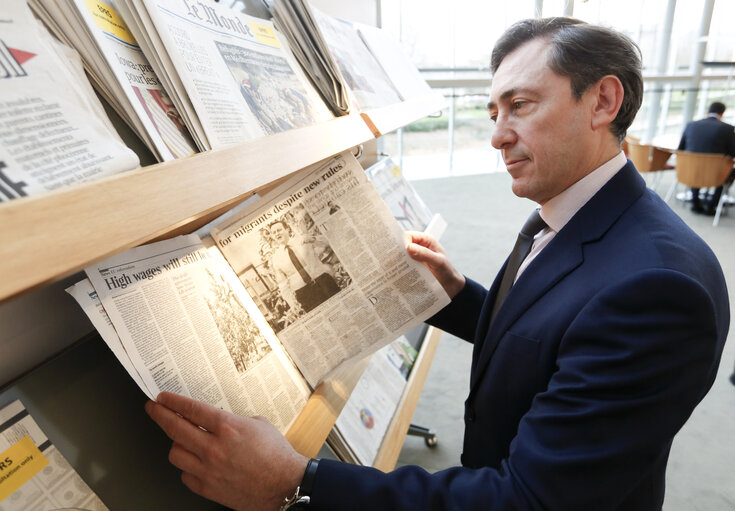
(559, 258)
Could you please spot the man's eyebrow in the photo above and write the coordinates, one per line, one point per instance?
(504, 95)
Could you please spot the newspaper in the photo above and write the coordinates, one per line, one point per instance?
(393, 60)
(402, 200)
(120, 66)
(295, 20)
(182, 321)
(189, 327)
(53, 129)
(367, 82)
(365, 418)
(33, 473)
(85, 294)
(325, 261)
(239, 77)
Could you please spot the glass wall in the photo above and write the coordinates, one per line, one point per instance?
(452, 47)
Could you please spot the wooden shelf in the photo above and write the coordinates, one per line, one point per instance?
(311, 428)
(52, 236)
(395, 435)
(55, 235)
(390, 118)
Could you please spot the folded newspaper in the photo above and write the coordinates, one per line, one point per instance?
(295, 20)
(230, 75)
(309, 278)
(53, 130)
(349, 63)
(120, 71)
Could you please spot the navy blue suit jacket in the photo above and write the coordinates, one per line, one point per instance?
(597, 357)
(708, 135)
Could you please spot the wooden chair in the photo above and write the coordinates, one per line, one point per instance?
(648, 158)
(627, 138)
(703, 170)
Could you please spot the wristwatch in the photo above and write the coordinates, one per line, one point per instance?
(302, 497)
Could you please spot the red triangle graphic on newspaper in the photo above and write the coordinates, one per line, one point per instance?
(21, 56)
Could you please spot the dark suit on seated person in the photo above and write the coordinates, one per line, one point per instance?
(708, 135)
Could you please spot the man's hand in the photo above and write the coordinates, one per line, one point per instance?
(426, 249)
(242, 463)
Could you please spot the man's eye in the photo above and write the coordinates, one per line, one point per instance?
(518, 104)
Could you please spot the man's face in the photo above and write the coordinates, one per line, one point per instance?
(543, 132)
(280, 233)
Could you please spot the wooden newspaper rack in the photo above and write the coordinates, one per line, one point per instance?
(50, 237)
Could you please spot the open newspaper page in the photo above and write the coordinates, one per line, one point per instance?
(365, 418)
(125, 63)
(241, 79)
(189, 327)
(326, 263)
(368, 84)
(392, 58)
(33, 473)
(53, 130)
(86, 296)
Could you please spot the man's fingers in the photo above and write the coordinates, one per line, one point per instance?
(178, 429)
(425, 255)
(423, 239)
(193, 483)
(194, 411)
(184, 459)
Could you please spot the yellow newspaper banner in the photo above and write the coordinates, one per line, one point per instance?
(265, 34)
(109, 20)
(18, 465)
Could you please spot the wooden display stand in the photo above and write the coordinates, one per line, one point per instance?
(49, 237)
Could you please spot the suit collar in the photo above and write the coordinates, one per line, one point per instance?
(560, 257)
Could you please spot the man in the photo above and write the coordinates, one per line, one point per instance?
(608, 338)
(304, 280)
(708, 135)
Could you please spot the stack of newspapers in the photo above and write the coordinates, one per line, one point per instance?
(187, 75)
(231, 77)
(120, 71)
(349, 63)
(54, 131)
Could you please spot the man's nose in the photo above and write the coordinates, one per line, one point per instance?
(503, 134)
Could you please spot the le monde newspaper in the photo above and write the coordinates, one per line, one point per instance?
(253, 315)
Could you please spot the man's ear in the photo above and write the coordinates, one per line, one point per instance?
(606, 101)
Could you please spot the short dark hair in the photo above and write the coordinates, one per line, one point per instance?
(585, 53)
(717, 108)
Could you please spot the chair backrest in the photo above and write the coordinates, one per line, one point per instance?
(702, 170)
(647, 158)
(626, 141)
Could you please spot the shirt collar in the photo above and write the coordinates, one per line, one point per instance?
(558, 210)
